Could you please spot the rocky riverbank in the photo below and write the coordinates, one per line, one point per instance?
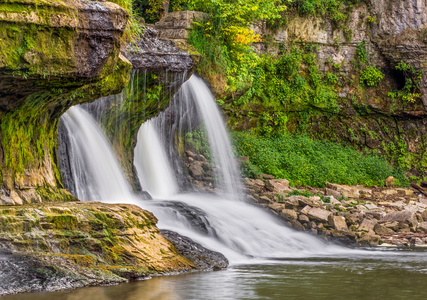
(47, 247)
(350, 215)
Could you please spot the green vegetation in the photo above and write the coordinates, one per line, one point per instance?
(371, 76)
(307, 162)
(413, 77)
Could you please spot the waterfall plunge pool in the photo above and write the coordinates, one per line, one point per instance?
(385, 274)
(268, 260)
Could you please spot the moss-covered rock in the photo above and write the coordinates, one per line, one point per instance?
(87, 242)
(54, 54)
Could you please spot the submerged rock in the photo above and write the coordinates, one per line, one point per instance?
(202, 257)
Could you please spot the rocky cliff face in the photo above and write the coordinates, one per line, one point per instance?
(54, 54)
(393, 32)
(160, 67)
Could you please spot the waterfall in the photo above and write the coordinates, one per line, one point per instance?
(95, 171)
(193, 105)
(238, 229)
(197, 92)
(152, 163)
(219, 222)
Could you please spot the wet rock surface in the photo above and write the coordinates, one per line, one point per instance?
(202, 257)
(20, 273)
(353, 215)
(152, 53)
(69, 53)
(47, 247)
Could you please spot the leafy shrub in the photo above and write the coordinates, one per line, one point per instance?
(308, 162)
(371, 76)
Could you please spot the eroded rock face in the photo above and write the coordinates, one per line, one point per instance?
(394, 32)
(203, 258)
(81, 243)
(54, 54)
(153, 54)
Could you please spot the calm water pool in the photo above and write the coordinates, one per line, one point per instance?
(387, 274)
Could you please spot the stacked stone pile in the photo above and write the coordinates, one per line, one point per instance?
(353, 215)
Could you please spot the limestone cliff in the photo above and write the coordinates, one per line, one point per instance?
(372, 118)
(54, 54)
(160, 67)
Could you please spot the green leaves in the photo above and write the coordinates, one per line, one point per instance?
(371, 76)
(308, 162)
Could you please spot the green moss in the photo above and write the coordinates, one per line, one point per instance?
(64, 221)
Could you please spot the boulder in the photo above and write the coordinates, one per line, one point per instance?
(202, 257)
(350, 191)
(289, 214)
(422, 227)
(406, 216)
(297, 225)
(304, 201)
(381, 229)
(405, 192)
(306, 209)
(277, 185)
(370, 206)
(353, 219)
(389, 182)
(389, 192)
(368, 225)
(266, 176)
(265, 200)
(333, 200)
(392, 225)
(291, 203)
(277, 206)
(319, 214)
(334, 193)
(303, 218)
(196, 170)
(338, 223)
(255, 183)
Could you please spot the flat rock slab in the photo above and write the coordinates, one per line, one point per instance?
(338, 223)
(319, 214)
(400, 216)
(367, 225)
(278, 185)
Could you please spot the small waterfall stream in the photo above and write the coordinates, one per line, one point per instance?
(96, 173)
(221, 222)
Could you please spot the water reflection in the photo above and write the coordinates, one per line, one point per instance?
(381, 276)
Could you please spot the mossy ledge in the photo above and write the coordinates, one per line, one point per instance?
(86, 243)
(54, 54)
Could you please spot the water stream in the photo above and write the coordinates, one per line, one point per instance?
(96, 173)
(265, 255)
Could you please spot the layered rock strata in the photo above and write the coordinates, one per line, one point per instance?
(390, 33)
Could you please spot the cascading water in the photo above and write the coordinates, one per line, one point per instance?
(196, 91)
(154, 170)
(96, 174)
(219, 222)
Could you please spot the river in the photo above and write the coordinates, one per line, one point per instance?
(372, 274)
